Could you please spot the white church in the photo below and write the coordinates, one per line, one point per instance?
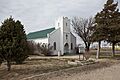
(59, 37)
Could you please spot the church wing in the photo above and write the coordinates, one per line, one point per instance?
(40, 34)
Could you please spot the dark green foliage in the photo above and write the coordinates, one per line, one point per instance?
(20, 48)
(13, 42)
(0, 62)
(108, 24)
(7, 41)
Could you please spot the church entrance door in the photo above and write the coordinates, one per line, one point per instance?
(66, 48)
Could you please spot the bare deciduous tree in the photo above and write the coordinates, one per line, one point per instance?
(83, 28)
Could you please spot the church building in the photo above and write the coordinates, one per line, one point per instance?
(59, 37)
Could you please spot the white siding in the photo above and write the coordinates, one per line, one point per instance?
(55, 37)
(40, 40)
(73, 40)
(66, 28)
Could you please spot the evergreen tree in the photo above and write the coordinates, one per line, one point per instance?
(108, 24)
(13, 43)
(7, 41)
(21, 46)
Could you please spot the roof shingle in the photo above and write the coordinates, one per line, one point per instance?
(40, 34)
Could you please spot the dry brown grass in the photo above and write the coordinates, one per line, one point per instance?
(32, 67)
(35, 67)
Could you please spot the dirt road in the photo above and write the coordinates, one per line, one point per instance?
(91, 72)
(110, 73)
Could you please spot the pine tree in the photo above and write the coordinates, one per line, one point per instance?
(7, 41)
(108, 24)
(13, 42)
(21, 51)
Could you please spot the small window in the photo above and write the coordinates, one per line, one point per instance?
(66, 36)
(66, 24)
(71, 46)
(54, 45)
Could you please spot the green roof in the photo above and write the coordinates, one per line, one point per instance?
(40, 34)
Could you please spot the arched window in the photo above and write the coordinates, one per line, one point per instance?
(54, 45)
(66, 48)
(71, 46)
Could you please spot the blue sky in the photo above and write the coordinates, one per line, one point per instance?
(41, 14)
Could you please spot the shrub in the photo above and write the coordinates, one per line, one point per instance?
(44, 48)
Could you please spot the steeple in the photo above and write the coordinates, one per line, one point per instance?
(64, 23)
